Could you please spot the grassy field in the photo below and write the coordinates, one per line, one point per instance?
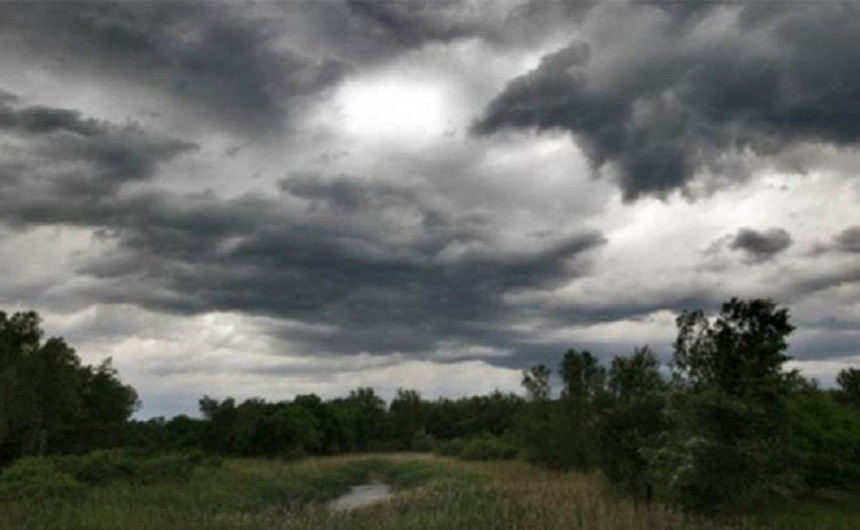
(432, 493)
(828, 510)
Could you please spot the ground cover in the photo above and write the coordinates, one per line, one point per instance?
(431, 493)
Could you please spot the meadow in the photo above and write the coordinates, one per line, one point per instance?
(431, 492)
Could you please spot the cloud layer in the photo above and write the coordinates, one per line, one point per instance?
(312, 196)
(673, 95)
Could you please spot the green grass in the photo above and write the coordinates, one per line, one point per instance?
(432, 493)
(827, 510)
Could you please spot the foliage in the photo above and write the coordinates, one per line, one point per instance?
(731, 429)
(49, 401)
(727, 442)
(432, 494)
(483, 447)
(633, 418)
(849, 386)
(36, 478)
(64, 476)
(825, 440)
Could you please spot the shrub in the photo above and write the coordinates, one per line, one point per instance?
(483, 447)
(489, 448)
(36, 478)
(450, 447)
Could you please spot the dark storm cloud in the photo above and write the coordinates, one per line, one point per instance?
(58, 167)
(667, 101)
(412, 24)
(377, 265)
(760, 246)
(367, 32)
(207, 54)
(848, 240)
(198, 254)
(43, 120)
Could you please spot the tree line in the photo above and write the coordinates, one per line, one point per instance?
(309, 425)
(725, 423)
(49, 401)
(728, 425)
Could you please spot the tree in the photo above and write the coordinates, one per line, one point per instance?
(825, 440)
(536, 382)
(729, 409)
(582, 374)
(407, 416)
(536, 423)
(582, 398)
(49, 401)
(849, 386)
(633, 418)
(742, 350)
(368, 411)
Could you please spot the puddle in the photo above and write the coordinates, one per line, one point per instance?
(361, 495)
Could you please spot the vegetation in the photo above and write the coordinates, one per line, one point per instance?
(726, 431)
(49, 401)
(434, 494)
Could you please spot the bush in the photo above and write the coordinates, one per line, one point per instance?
(36, 478)
(60, 475)
(98, 467)
(489, 448)
(450, 447)
(483, 447)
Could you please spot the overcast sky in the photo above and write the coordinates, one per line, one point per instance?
(273, 198)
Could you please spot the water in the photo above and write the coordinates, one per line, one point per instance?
(361, 495)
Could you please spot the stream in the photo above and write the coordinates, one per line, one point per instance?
(361, 495)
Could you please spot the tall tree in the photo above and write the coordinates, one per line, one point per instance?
(729, 411)
(49, 401)
(407, 417)
(849, 386)
(633, 418)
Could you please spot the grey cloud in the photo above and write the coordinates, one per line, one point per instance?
(826, 344)
(333, 251)
(346, 194)
(61, 168)
(44, 120)
(362, 32)
(208, 54)
(848, 240)
(411, 24)
(7, 97)
(760, 246)
(660, 111)
(254, 256)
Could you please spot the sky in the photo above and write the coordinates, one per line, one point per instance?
(265, 199)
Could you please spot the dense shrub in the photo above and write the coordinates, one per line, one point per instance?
(36, 478)
(484, 447)
(450, 447)
(489, 448)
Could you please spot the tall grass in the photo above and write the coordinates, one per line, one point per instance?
(432, 493)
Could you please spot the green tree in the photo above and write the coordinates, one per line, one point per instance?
(536, 382)
(825, 440)
(49, 401)
(729, 411)
(633, 418)
(579, 407)
(536, 424)
(407, 417)
(368, 412)
(849, 386)
(583, 376)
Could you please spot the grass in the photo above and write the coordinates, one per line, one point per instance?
(433, 493)
(827, 510)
